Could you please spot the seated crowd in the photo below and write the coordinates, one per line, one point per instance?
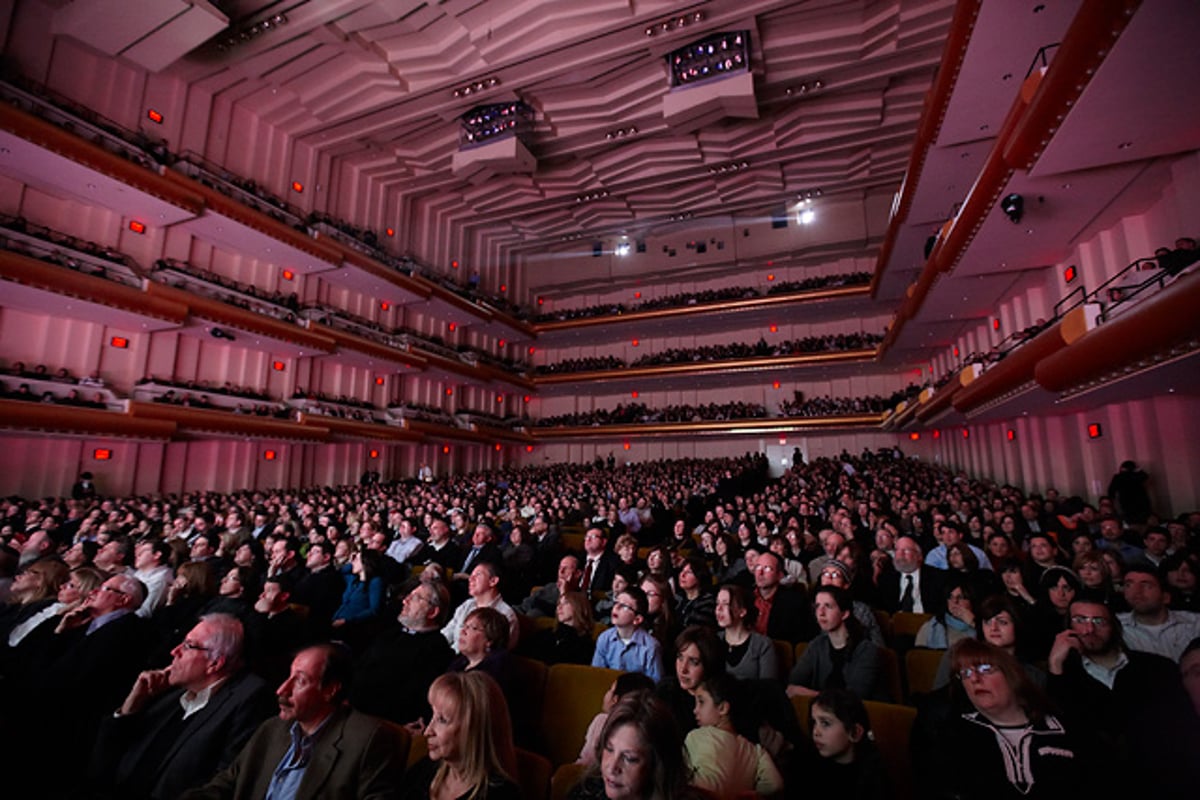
(147, 634)
(801, 406)
(629, 413)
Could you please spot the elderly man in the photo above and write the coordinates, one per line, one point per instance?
(544, 601)
(912, 586)
(318, 746)
(599, 566)
(392, 677)
(179, 725)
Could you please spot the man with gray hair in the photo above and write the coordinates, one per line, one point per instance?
(178, 726)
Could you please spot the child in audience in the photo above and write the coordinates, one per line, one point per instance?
(723, 762)
(846, 761)
(623, 685)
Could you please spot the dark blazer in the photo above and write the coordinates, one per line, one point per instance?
(392, 677)
(931, 583)
(606, 568)
(355, 756)
(132, 757)
(791, 616)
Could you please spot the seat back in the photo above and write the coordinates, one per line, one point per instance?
(564, 780)
(573, 696)
(889, 674)
(527, 689)
(921, 666)
(533, 775)
(785, 655)
(905, 625)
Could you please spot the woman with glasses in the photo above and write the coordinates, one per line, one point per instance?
(483, 646)
(1006, 744)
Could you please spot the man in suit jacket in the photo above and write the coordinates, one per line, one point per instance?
(599, 566)
(927, 582)
(178, 726)
(783, 611)
(318, 747)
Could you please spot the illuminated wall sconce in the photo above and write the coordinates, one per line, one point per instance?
(385, 305)
(374, 454)
(1070, 274)
(634, 395)
(914, 436)
(498, 447)
(297, 187)
(525, 399)
(528, 448)
(288, 275)
(453, 326)
(995, 324)
(119, 342)
(937, 434)
(449, 392)
(966, 434)
(445, 449)
(635, 342)
(379, 380)
(269, 455)
(771, 276)
(774, 329)
(102, 454)
(278, 366)
(1011, 435)
(454, 265)
(626, 445)
(1094, 431)
(137, 227)
(154, 116)
(390, 231)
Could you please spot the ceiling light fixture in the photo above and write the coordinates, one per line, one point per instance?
(476, 87)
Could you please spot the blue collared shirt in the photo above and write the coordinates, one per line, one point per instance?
(640, 654)
(289, 773)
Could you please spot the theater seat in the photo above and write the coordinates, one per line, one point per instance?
(905, 625)
(889, 665)
(564, 780)
(572, 698)
(921, 666)
(527, 687)
(418, 748)
(785, 655)
(533, 775)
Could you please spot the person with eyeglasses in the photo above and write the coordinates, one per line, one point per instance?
(626, 645)
(179, 725)
(1132, 702)
(1006, 743)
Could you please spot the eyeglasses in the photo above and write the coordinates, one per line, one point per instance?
(982, 670)
(112, 590)
(626, 606)
(1096, 622)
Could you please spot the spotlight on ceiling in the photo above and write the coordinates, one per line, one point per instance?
(1013, 207)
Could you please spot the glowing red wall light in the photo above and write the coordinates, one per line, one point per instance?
(966, 434)
(956, 351)
(499, 398)
(775, 385)
(504, 287)
(385, 305)
(119, 341)
(1011, 435)
(531, 350)
(270, 455)
(626, 445)
(528, 448)
(453, 326)
(1070, 273)
(995, 324)
(445, 448)
(774, 329)
(374, 454)
(637, 295)
(288, 275)
(1094, 431)
(102, 454)
(914, 436)
(541, 301)
(525, 398)
(498, 447)
(635, 342)
(937, 434)
(390, 231)
(633, 395)
(278, 366)
(154, 116)
(501, 343)
(137, 227)
(771, 276)
(453, 265)
(449, 392)
(297, 187)
(379, 381)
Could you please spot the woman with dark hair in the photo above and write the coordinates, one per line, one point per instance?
(730, 565)
(840, 657)
(363, 599)
(660, 615)
(1007, 745)
(570, 640)
(1056, 589)
(963, 562)
(483, 645)
(750, 655)
(698, 652)
(1182, 570)
(954, 620)
(469, 735)
(695, 600)
(639, 755)
(195, 585)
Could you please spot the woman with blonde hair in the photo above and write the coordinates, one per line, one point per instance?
(469, 735)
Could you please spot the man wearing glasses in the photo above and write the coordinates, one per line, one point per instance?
(179, 725)
(1132, 702)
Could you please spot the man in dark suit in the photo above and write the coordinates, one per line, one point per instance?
(321, 588)
(912, 586)
(599, 566)
(547, 548)
(318, 747)
(783, 612)
(179, 725)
